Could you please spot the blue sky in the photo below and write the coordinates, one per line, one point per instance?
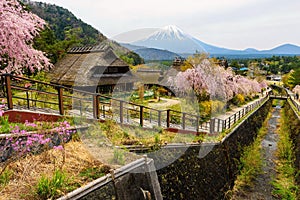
(236, 24)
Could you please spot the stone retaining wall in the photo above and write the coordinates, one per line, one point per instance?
(207, 171)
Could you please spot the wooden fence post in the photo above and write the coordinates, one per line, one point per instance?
(219, 120)
(27, 100)
(141, 116)
(212, 126)
(8, 91)
(223, 125)
(60, 100)
(168, 118)
(103, 107)
(96, 106)
(121, 112)
(197, 123)
(159, 118)
(183, 121)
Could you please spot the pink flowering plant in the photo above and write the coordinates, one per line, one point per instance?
(211, 81)
(215, 87)
(296, 89)
(18, 29)
(30, 137)
(2, 107)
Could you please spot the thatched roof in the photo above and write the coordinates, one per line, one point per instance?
(149, 76)
(85, 66)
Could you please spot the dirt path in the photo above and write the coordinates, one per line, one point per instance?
(262, 188)
(164, 104)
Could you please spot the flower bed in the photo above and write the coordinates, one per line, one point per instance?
(18, 139)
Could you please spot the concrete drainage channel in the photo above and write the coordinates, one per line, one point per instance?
(199, 171)
(137, 180)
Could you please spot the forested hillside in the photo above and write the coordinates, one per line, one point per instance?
(66, 30)
(62, 21)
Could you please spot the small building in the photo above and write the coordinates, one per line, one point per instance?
(149, 76)
(274, 78)
(94, 69)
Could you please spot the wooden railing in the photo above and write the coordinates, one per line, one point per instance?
(295, 103)
(219, 125)
(26, 93)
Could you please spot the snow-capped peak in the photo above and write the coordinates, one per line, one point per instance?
(169, 32)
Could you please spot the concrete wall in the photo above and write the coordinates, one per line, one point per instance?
(135, 181)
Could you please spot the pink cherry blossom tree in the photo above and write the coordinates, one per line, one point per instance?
(18, 29)
(296, 89)
(207, 78)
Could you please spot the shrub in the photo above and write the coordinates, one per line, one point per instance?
(205, 109)
(238, 99)
(217, 106)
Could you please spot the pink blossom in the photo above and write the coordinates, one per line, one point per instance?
(30, 124)
(58, 147)
(216, 81)
(27, 85)
(18, 29)
(296, 89)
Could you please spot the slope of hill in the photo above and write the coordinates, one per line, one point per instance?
(156, 54)
(65, 27)
(284, 49)
(132, 47)
(62, 20)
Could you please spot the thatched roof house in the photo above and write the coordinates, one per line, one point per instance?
(95, 68)
(149, 76)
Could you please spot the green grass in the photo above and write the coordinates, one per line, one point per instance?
(5, 177)
(251, 163)
(49, 188)
(284, 184)
(119, 157)
(92, 173)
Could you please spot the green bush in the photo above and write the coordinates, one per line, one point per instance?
(238, 100)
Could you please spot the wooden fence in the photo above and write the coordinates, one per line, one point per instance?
(31, 94)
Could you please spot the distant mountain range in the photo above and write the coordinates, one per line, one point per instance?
(173, 40)
(151, 53)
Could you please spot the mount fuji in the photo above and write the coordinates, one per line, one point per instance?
(173, 39)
